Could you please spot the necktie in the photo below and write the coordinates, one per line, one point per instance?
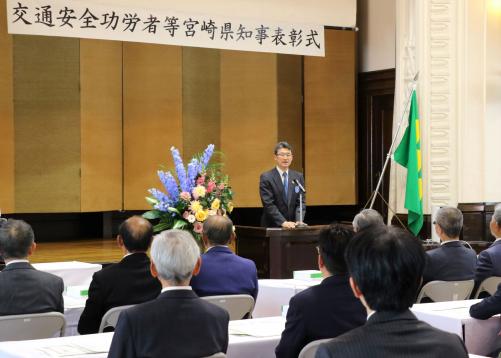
(286, 186)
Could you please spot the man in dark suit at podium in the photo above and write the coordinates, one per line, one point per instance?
(279, 191)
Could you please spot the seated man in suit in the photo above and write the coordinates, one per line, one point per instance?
(326, 310)
(489, 260)
(279, 195)
(126, 282)
(177, 323)
(451, 261)
(386, 266)
(223, 272)
(23, 289)
(367, 218)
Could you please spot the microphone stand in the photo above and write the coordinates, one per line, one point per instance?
(301, 192)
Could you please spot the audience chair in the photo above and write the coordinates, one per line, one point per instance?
(216, 355)
(32, 326)
(489, 285)
(310, 349)
(110, 318)
(238, 306)
(440, 291)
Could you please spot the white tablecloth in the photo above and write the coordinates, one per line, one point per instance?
(239, 346)
(73, 273)
(479, 336)
(273, 294)
(73, 308)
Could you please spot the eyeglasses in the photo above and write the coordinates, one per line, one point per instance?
(286, 155)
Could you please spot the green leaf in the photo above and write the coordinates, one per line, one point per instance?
(180, 224)
(173, 210)
(161, 227)
(151, 201)
(152, 214)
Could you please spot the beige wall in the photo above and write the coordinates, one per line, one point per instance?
(376, 44)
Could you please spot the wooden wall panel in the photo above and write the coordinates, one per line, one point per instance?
(6, 116)
(101, 125)
(330, 135)
(290, 106)
(47, 124)
(201, 99)
(248, 120)
(152, 116)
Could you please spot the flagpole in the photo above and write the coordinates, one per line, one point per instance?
(413, 85)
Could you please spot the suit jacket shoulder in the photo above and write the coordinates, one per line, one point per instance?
(389, 334)
(23, 289)
(176, 324)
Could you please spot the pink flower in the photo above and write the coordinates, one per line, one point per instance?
(198, 227)
(221, 186)
(201, 180)
(186, 214)
(211, 186)
(185, 196)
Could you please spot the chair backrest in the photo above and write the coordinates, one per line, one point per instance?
(217, 355)
(32, 326)
(238, 306)
(310, 349)
(489, 285)
(440, 291)
(110, 318)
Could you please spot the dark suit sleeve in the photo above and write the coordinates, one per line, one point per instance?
(428, 269)
(256, 285)
(122, 345)
(94, 308)
(323, 352)
(298, 216)
(293, 336)
(484, 267)
(488, 307)
(60, 306)
(268, 200)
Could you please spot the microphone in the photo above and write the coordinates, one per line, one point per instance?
(296, 182)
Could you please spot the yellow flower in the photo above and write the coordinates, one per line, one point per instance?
(215, 204)
(198, 191)
(201, 215)
(195, 206)
(230, 207)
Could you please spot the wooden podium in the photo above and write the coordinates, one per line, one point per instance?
(278, 252)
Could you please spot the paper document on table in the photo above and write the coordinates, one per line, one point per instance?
(70, 349)
(262, 327)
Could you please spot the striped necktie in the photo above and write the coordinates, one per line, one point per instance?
(286, 185)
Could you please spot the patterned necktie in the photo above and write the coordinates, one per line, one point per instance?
(286, 186)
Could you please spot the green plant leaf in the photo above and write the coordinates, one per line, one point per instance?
(152, 214)
(151, 201)
(161, 227)
(179, 224)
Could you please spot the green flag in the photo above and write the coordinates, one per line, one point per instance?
(408, 154)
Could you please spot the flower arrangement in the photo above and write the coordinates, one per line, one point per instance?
(199, 191)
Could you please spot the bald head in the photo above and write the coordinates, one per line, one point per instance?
(218, 229)
(136, 233)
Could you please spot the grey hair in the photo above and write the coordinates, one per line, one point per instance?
(366, 218)
(175, 254)
(16, 239)
(497, 214)
(450, 220)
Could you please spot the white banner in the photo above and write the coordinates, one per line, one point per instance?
(87, 19)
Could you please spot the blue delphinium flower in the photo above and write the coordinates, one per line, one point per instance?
(180, 170)
(170, 184)
(206, 156)
(163, 199)
(192, 173)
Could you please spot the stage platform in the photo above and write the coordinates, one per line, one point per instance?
(86, 250)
